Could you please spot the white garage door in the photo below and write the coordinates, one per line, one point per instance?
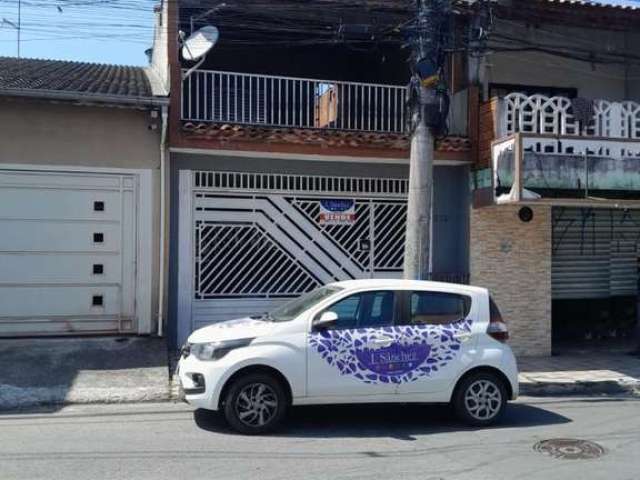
(251, 241)
(67, 253)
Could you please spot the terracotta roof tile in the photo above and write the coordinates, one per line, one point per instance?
(326, 138)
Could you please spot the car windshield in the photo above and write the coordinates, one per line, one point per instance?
(292, 309)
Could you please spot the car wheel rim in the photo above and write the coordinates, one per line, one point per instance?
(483, 400)
(256, 404)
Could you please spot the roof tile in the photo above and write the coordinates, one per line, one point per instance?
(73, 77)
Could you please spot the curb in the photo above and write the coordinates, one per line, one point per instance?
(15, 398)
(558, 389)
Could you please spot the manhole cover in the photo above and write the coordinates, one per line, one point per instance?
(569, 448)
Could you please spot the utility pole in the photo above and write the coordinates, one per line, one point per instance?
(429, 109)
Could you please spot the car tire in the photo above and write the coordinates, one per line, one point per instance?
(480, 399)
(255, 404)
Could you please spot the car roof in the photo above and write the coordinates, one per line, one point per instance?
(399, 284)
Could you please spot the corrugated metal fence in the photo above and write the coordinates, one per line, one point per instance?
(595, 252)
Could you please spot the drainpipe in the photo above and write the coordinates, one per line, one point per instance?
(163, 161)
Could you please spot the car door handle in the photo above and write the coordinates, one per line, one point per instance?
(381, 342)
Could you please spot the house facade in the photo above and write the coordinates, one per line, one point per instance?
(79, 194)
(289, 163)
(555, 222)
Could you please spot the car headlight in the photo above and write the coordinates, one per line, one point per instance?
(217, 350)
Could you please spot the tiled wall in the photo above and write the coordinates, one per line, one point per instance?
(513, 260)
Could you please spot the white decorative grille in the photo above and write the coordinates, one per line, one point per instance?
(243, 260)
(380, 223)
(324, 185)
(346, 237)
(390, 221)
(260, 235)
(540, 114)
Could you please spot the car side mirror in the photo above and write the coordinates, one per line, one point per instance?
(326, 320)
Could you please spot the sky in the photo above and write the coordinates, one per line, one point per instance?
(103, 31)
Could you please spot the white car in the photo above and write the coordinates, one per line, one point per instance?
(360, 341)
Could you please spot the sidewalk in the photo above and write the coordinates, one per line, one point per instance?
(57, 371)
(53, 372)
(586, 373)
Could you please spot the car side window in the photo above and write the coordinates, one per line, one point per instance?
(436, 308)
(364, 310)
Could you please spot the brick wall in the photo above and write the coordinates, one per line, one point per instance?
(487, 131)
(513, 260)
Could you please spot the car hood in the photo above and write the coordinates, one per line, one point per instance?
(232, 330)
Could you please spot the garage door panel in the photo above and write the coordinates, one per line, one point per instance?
(58, 301)
(66, 180)
(207, 312)
(59, 268)
(53, 204)
(595, 253)
(51, 236)
(68, 246)
(59, 326)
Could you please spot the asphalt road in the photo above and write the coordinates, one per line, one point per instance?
(170, 441)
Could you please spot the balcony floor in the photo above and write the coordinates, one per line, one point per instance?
(385, 143)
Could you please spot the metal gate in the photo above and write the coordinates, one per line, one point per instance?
(595, 252)
(248, 241)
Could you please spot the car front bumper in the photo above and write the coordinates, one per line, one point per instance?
(201, 381)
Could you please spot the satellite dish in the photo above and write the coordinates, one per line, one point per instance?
(200, 43)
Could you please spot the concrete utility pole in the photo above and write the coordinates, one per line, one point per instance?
(429, 111)
(417, 255)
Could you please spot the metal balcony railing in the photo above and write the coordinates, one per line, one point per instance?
(540, 114)
(273, 101)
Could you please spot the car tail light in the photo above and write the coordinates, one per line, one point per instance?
(497, 328)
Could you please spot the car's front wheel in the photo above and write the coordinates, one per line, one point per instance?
(480, 399)
(255, 404)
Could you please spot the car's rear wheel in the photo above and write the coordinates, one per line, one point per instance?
(480, 399)
(255, 404)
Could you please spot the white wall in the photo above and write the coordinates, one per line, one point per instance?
(59, 135)
(593, 80)
(158, 70)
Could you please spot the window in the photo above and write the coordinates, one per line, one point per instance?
(292, 309)
(365, 310)
(437, 308)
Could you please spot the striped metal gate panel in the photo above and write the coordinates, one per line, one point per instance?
(250, 241)
(594, 253)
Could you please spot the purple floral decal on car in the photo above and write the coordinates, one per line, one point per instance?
(390, 354)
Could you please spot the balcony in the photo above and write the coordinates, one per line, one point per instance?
(557, 150)
(292, 103)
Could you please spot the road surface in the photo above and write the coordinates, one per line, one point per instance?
(170, 441)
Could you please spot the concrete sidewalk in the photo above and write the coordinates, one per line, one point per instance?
(57, 371)
(585, 373)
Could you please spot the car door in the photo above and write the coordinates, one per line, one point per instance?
(440, 325)
(347, 359)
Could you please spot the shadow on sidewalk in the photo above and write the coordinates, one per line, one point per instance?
(44, 373)
(401, 421)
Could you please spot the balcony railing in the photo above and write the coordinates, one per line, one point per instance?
(265, 100)
(539, 114)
